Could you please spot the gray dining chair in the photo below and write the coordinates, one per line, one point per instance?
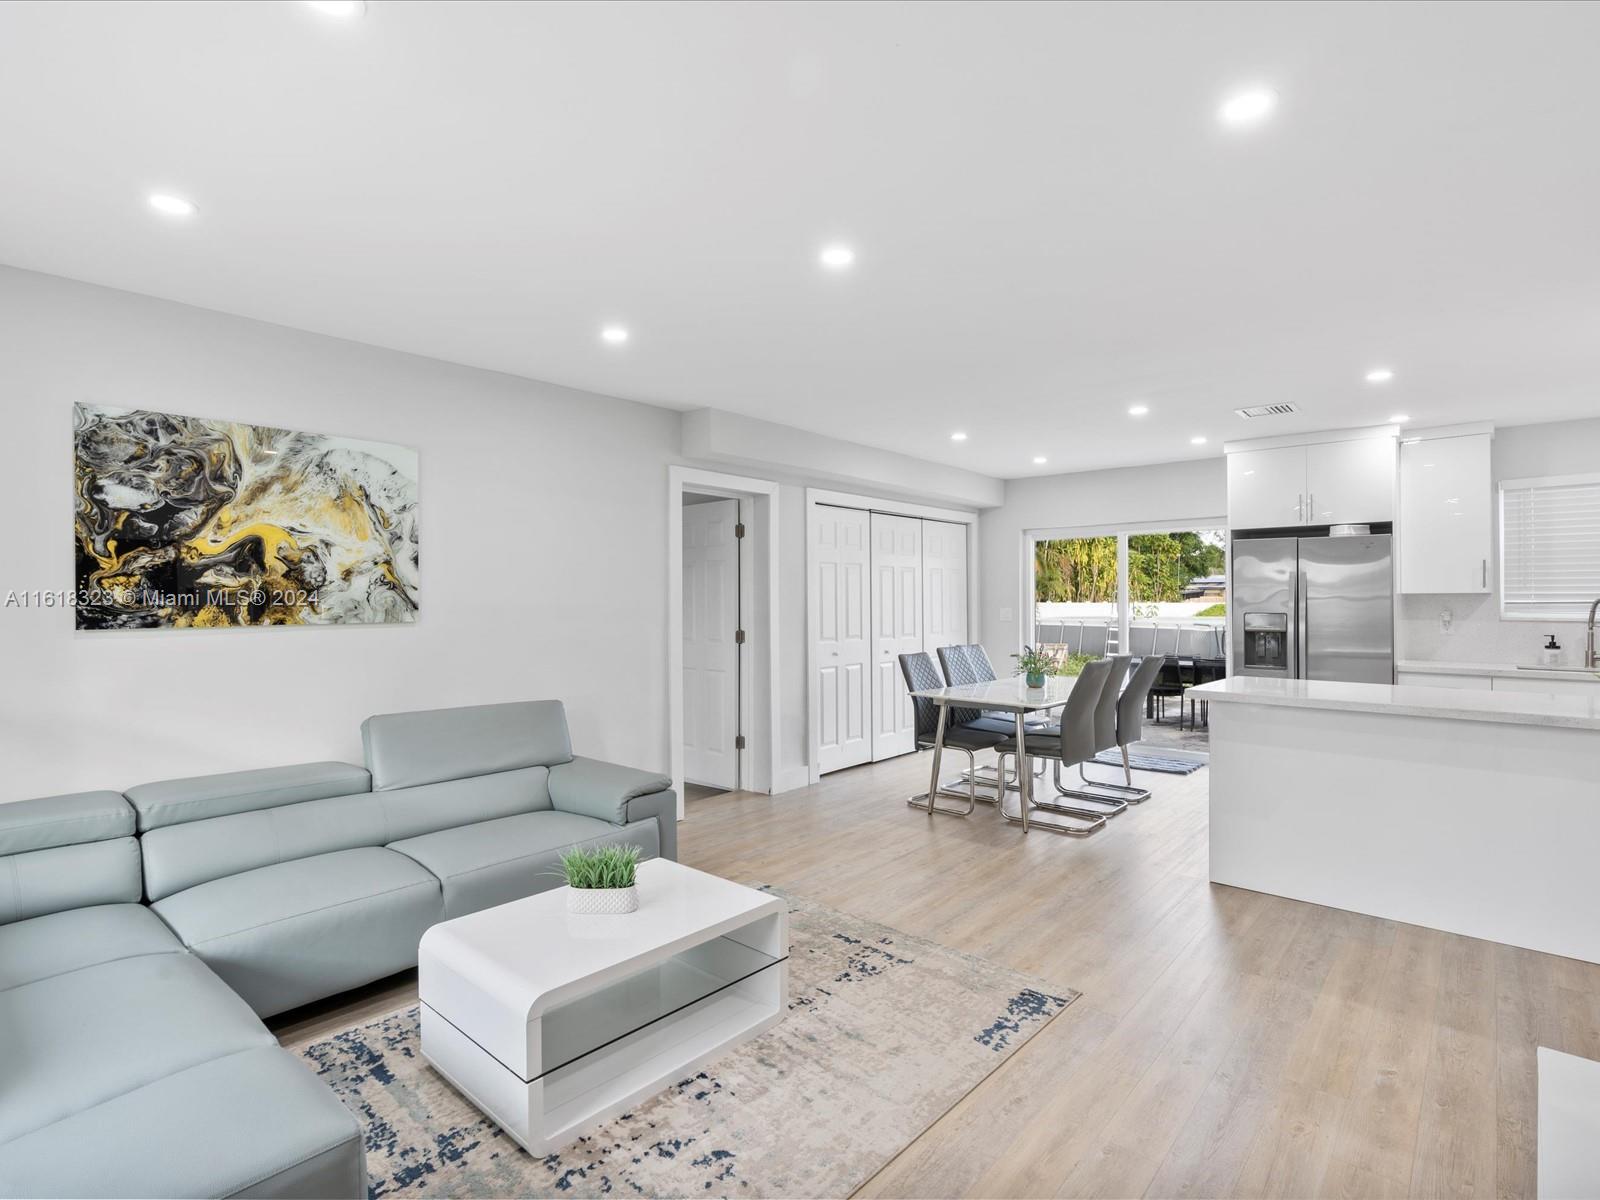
(970, 663)
(1072, 741)
(921, 674)
(1130, 721)
(1114, 796)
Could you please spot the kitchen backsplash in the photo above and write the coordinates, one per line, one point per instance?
(1477, 634)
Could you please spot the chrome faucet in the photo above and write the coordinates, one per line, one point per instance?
(1588, 649)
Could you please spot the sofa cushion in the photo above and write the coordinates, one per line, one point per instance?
(494, 862)
(176, 801)
(75, 1040)
(64, 877)
(63, 821)
(293, 932)
(81, 937)
(177, 857)
(408, 749)
(253, 1123)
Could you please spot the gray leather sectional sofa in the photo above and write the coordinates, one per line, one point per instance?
(143, 936)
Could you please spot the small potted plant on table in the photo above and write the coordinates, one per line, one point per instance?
(1035, 664)
(602, 880)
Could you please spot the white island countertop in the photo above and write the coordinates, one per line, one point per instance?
(1499, 708)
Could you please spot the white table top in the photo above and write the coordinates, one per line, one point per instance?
(531, 952)
(1006, 695)
(1500, 708)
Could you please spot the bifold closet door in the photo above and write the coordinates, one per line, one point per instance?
(944, 584)
(840, 556)
(896, 629)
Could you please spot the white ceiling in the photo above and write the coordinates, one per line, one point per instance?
(1050, 224)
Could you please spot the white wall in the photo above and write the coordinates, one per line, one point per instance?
(1168, 495)
(543, 550)
(1478, 635)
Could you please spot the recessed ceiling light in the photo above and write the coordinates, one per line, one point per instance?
(958, 436)
(1248, 107)
(1198, 440)
(1138, 410)
(1399, 419)
(1039, 460)
(1380, 375)
(172, 206)
(837, 258)
(343, 9)
(615, 334)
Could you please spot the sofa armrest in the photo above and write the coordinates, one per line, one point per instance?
(620, 795)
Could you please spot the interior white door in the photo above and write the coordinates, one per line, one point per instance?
(944, 584)
(710, 649)
(896, 630)
(840, 590)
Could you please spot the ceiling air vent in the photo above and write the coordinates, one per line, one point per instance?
(1267, 410)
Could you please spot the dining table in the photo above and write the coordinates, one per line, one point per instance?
(1012, 696)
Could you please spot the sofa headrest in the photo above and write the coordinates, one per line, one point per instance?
(409, 749)
(63, 821)
(176, 801)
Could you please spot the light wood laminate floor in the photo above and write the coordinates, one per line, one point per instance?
(1227, 1043)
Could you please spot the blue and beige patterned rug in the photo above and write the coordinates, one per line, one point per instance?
(885, 1032)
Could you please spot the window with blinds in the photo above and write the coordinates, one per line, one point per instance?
(1549, 546)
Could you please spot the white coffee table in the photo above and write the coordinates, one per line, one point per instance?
(553, 1023)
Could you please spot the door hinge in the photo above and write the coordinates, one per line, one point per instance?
(738, 637)
(738, 530)
(738, 742)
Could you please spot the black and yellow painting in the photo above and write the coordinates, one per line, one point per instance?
(184, 522)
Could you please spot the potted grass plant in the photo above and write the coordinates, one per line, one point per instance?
(1035, 664)
(602, 880)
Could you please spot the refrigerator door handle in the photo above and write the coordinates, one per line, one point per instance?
(1302, 633)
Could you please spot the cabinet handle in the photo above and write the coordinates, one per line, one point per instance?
(1311, 509)
(1485, 582)
(1300, 508)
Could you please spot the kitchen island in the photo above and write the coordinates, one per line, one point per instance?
(1473, 812)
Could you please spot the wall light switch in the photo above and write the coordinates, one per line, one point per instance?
(1446, 618)
(1005, 615)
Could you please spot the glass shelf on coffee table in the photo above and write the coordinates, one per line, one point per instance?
(552, 1022)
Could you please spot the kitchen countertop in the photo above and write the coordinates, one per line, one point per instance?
(1494, 670)
(1500, 708)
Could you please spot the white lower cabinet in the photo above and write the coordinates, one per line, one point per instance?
(1549, 687)
(1463, 683)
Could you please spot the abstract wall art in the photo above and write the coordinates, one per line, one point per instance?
(184, 522)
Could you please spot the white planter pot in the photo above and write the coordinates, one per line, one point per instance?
(603, 901)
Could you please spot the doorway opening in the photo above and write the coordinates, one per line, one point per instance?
(722, 671)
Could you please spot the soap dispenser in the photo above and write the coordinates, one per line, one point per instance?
(1550, 656)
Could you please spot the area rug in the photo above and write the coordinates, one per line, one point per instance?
(1150, 762)
(884, 1033)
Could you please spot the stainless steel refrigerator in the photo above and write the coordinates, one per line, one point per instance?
(1313, 608)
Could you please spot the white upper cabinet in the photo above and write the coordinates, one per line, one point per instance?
(1350, 482)
(1267, 488)
(1446, 515)
(1321, 483)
